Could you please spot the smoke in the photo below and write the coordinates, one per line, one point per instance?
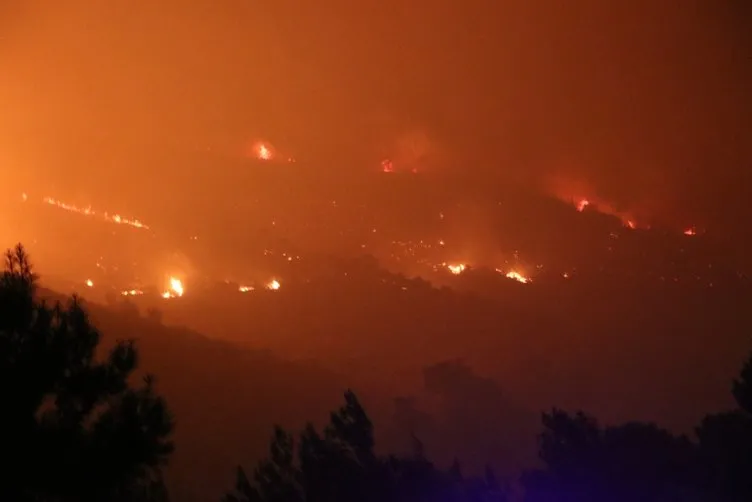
(642, 100)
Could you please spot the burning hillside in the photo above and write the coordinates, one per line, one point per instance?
(582, 239)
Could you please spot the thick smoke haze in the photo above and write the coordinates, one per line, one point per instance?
(565, 222)
(636, 100)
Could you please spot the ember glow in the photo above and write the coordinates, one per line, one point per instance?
(88, 211)
(263, 151)
(132, 292)
(175, 289)
(400, 167)
(517, 277)
(457, 269)
(176, 285)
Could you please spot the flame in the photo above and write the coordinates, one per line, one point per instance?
(263, 151)
(582, 204)
(690, 231)
(273, 285)
(176, 285)
(88, 211)
(387, 166)
(513, 274)
(89, 283)
(175, 289)
(630, 224)
(132, 292)
(245, 289)
(457, 269)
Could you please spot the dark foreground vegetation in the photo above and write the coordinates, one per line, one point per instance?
(77, 425)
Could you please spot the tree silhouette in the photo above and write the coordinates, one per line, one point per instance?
(71, 426)
(341, 465)
(726, 440)
(585, 462)
(632, 462)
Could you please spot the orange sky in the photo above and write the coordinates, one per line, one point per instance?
(641, 99)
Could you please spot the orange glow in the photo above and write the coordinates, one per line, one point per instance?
(89, 283)
(175, 288)
(273, 285)
(176, 285)
(88, 211)
(263, 151)
(630, 224)
(387, 166)
(582, 204)
(690, 232)
(245, 289)
(512, 274)
(457, 269)
(132, 292)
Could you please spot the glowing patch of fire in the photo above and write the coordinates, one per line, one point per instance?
(88, 211)
(457, 269)
(512, 274)
(175, 289)
(263, 151)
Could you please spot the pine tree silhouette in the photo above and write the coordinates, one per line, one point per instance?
(340, 465)
(71, 427)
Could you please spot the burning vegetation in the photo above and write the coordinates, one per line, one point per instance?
(420, 257)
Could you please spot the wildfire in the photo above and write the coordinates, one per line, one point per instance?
(246, 289)
(630, 224)
(132, 292)
(582, 204)
(514, 275)
(88, 211)
(387, 166)
(175, 289)
(263, 151)
(89, 283)
(273, 285)
(690, 231)
(457, 269)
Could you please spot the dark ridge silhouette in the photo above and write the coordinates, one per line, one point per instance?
(72, 427)
(569, 342)
(453, 413)
(340, 464)
(224, 396)
(582, 462)
(75, 430)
